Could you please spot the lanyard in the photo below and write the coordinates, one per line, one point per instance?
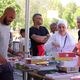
(64, 43)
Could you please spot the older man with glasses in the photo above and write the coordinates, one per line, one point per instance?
(78, 25)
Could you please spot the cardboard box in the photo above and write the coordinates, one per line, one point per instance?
(66, 56)
(38, 60)
(69, 69)
(64, 76)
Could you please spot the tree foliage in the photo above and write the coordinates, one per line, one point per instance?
(69, 12)
(42, 6)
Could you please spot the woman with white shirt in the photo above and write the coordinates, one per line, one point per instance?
(60, 41)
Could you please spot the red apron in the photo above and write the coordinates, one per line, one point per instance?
(41, 50)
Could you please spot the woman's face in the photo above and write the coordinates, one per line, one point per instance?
(62, 29)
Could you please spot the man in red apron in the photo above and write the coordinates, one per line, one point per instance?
(38, 35)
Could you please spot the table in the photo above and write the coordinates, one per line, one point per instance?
(63, 76)
(35, 71)
(39, 72)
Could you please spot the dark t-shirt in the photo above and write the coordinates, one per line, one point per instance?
(42, 31)
(78, 35)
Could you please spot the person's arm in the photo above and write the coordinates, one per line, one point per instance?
(56, 45)
(15, 53)
(38, 38)
(79, 35)
(75, 51)
(54, 42)
(46, 39)
(12, 52)
(2, 60)
(47, 34)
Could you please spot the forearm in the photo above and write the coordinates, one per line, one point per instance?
(12, 51)
(15, 53)
(47, 37)
(0, 55)
(38, 38)
(2, 60)
(75, 49)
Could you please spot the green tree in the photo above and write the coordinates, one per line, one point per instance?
(68, 14)
(42, 6)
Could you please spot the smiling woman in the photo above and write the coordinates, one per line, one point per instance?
(60, 41)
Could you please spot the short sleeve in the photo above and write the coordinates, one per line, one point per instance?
(31, 32)
(47, 32)
(78, 35)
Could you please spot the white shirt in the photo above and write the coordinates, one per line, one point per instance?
(22, 41)
(4, 39)
(22, 44)
(57, 38)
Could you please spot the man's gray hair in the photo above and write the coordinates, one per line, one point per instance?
(78, 18)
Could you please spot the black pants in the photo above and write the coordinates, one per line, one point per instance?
(6, 72)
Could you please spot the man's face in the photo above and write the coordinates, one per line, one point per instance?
(38, 20)
(8, 18)
(78, 23)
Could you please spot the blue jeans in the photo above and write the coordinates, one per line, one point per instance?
(6, 72)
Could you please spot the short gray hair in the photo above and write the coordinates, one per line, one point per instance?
(78, 18)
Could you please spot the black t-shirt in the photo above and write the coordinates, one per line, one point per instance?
(42, 31)
(78, 35)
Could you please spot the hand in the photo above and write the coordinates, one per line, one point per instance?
(79, 41)
(56, 45)
(42, 39)
(75, 50)
(2, 60)
(20, 54)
